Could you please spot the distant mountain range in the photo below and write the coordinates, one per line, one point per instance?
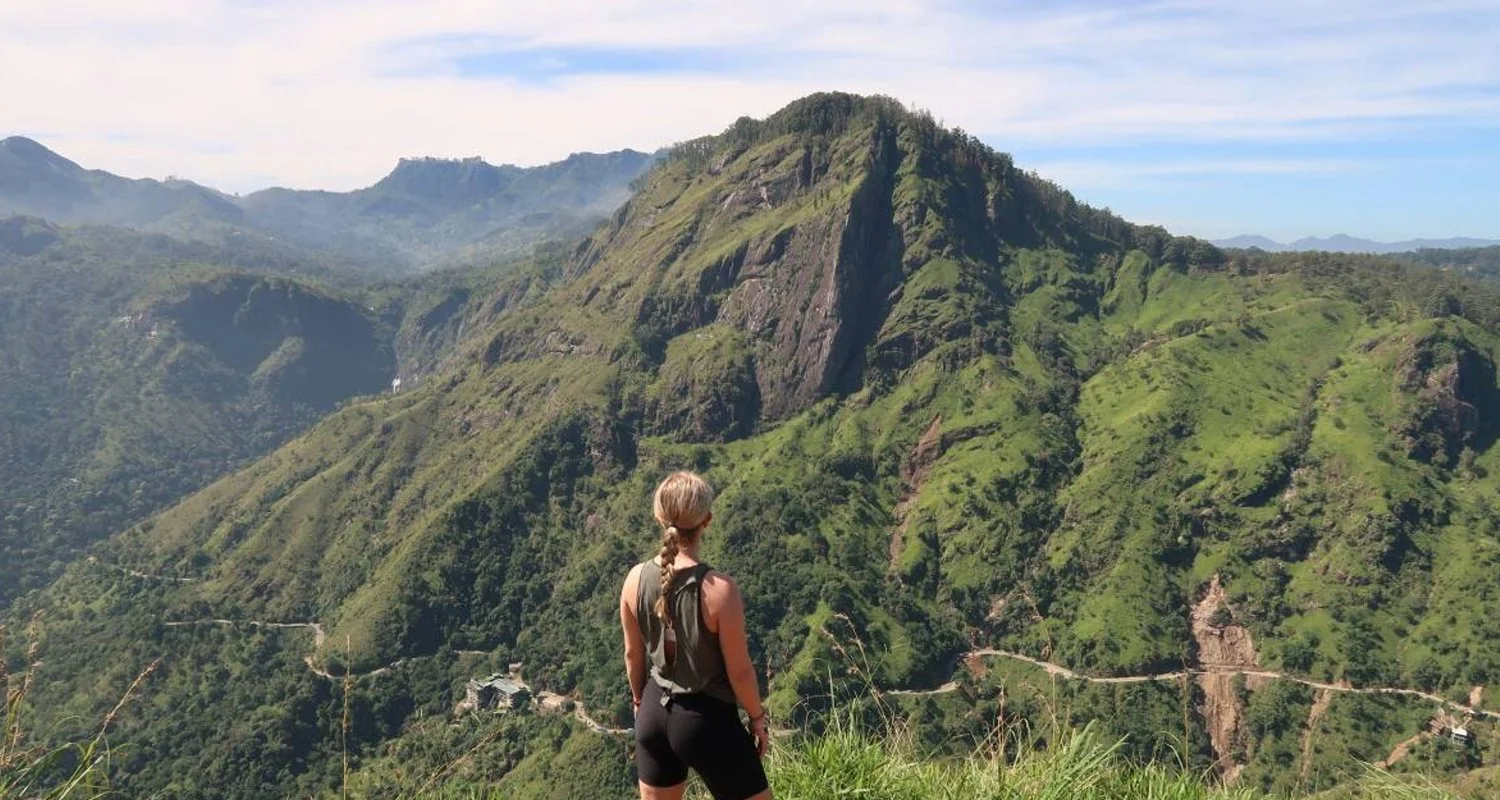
(427, 210)
(1341, 243)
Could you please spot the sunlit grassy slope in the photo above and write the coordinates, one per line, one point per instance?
(845, 761)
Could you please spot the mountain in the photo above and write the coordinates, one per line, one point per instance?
(1342, 243)
(428, 208)
(980, 449)
(1248, 241)
(427, 211)
(131, 374)
(39, 182)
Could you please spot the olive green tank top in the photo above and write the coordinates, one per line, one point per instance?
(697, 666)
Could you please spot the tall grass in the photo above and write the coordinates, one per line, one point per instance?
(846, 762)
(849, 759)
(74, 771)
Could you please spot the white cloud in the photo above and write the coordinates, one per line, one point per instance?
(328, 94)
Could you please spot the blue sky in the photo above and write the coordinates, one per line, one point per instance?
(1280, 117)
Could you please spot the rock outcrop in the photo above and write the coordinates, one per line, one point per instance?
(1449, 397)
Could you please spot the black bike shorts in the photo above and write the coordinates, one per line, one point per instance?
(700, 732)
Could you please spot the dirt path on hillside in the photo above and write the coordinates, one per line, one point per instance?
(1314, 716)
(319, 636)
(317, 629)
(1227, 647)
(1402, 750)
(594, 725)
(323, 673)
(913, 475)
(1208, 668)
(950, 686)
(135, 573)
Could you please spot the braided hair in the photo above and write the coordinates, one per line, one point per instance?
(682, 505)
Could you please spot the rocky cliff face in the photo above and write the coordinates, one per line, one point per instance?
(1446, 388)
(836, 238)
(820, 254)
(809, 296)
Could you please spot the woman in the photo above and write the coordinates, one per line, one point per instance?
(688, 622)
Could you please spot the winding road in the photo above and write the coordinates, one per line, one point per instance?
(1060, 671)
(318, 634)
(1055, 670)
(135, 573)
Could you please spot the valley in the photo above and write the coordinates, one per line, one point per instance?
(985, 456)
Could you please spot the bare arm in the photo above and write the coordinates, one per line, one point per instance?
(635, 644)
(727, 608)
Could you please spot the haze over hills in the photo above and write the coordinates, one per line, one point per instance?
(951, 412)
(1341, 243)
(138, 430)
(131, 375)
(427, 211)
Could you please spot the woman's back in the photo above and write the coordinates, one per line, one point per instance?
(685, 656)
(688, 661)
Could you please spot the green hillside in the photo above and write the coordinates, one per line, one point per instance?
(949, 411)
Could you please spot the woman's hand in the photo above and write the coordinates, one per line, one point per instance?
(758, 729)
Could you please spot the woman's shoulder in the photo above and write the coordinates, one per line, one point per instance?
(716, 583)
(632, 582)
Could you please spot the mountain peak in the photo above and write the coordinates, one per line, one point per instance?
(460, 180)
(30, 151)
(12, 142)
(838, 241)
(413, 162)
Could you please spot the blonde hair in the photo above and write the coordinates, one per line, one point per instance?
(682, 505)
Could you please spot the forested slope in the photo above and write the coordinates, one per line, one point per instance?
(132, 374)
(1477, 262)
